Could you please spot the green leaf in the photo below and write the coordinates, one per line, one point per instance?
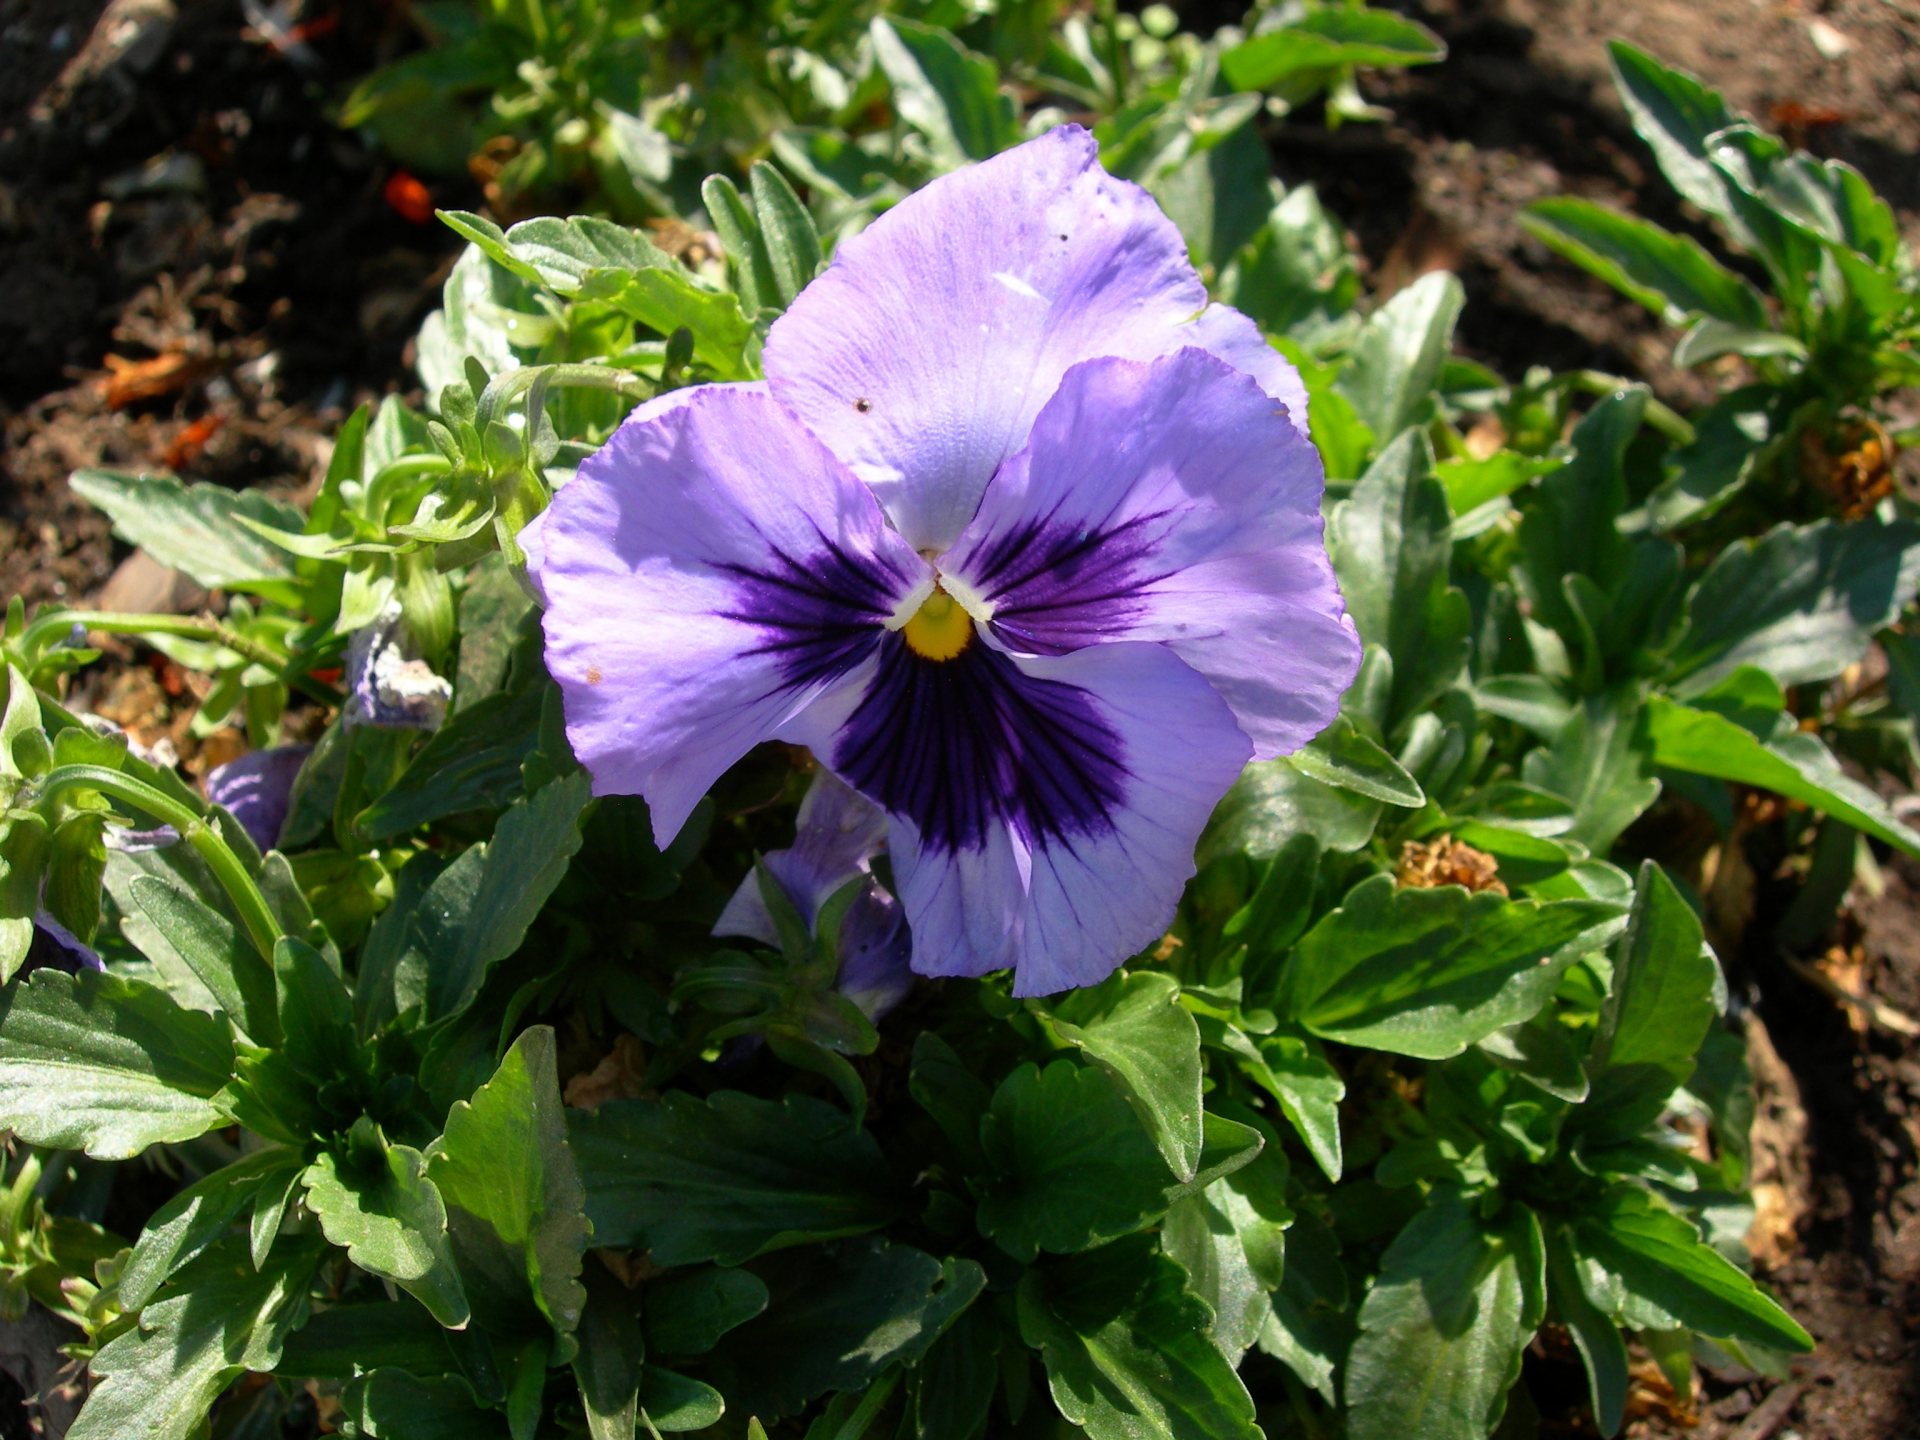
(1343, 757)
(1601, 763)
(1669, 274)
(673, 1402)
(1801, 602)
(1654, 1257)
(1393, 547)
(213, 948)
(955, 1382)
(158, 1379)
(477, 912)
(335, 1344)
(1603, 1351)
(504, 1162)
(688, 1312)
(1473, 483)
(497, 619)
(587, 259)
(945, 91)
(1656, 1014)
(729, 1177)
(839, 1315)
(1274, 803)
(1325, 39)
(192, 1220)
(1214, 190)
(390, 1218)
(1311, 1325)
(1429, 972)
(1570, 527)
(196, 528)
(1541, 1051)
(1675, 114)
(1731, 439)
(390, 1404)
(1126, 1348)
(608, 1365)
(1294, 1069)
(1134, 1027)
(1231, 1240)
(1071, 1165)
(774, 246)
(471, 763)
(316, 1013)
(110, 1066)
(560, 254)
(1787, 761)
(1390, 376)
(1442, 1330)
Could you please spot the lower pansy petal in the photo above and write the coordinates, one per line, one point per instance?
(1044, 809)
(709, 573)
(1171, 502)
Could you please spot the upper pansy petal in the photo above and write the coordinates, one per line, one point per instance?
(1044, 809)
(1171, 502)
(923, 353)
(708, 573)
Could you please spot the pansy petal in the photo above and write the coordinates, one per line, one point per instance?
(1226, 334)
(1044, 808)
(708, 573)
(923, 353)
(875, 952)
(257, 788)
(836, 833)
(1171, 502)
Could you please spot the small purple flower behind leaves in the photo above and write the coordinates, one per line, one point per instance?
(837, 834)
(1020, 536)
(257, 788)
(54, 947)
(387, 684)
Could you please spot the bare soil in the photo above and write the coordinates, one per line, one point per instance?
(200, 273)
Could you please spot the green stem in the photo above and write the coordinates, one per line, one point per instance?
(204, 629)
(262, 927)
(871, 1404)
(1667, 421)
(56, 717)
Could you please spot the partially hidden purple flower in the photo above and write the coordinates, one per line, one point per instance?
(54, 947)
(1019, 535)
(257, 788)
(837, 833)
(389, 686)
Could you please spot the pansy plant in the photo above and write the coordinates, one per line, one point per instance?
(1020, 536)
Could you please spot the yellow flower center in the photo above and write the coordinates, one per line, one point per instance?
(939, 629)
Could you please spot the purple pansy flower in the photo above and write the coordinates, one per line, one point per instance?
(1019, 535)
(836, 835)
(257, 788)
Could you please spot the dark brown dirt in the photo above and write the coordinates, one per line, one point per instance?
(201, 271)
